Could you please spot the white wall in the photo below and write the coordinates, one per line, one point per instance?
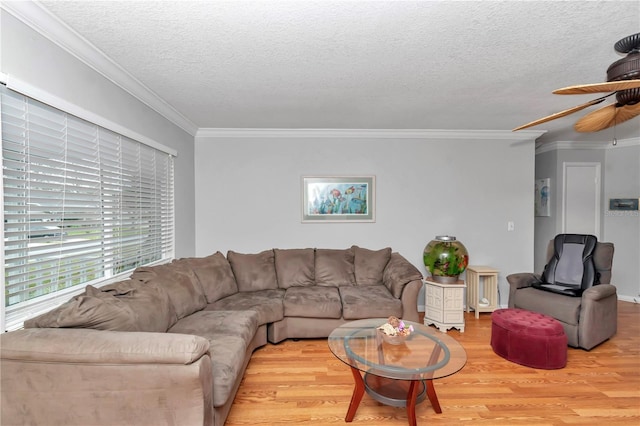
(30, 57)
(249, 195)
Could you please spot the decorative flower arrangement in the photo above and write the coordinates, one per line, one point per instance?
(395, 327)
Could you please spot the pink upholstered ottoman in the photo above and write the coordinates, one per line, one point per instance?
(528, 338)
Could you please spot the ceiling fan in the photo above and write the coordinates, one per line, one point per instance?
(623, 80)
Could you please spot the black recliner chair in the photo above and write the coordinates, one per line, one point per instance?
(574, 288)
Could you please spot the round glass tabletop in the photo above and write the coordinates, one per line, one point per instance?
(424, 354)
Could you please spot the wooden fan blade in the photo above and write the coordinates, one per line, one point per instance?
(627, 112)
(607, 116)
(560, 114)
(610, 86)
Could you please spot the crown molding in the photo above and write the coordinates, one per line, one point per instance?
(558, 145)
(44, 22)
(369, 134)
(562, 145)
(623, 143)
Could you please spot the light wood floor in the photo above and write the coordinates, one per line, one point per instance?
(301, 382)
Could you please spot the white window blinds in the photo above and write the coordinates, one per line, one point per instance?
(81, 203)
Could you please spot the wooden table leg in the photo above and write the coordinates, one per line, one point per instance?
(411, 401)
(433, 398)
(358, 391)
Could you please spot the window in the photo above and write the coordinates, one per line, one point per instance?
(82, 204)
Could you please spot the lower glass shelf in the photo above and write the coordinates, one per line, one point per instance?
(390, 391)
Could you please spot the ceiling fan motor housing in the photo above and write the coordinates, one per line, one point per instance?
(627, 68)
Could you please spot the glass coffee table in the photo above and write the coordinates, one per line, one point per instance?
(400, 375)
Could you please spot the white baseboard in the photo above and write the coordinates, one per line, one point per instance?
(632, 299)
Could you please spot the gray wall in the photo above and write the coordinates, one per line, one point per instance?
(33, 59)
(249, 196)
(620, 168)
(546, 227)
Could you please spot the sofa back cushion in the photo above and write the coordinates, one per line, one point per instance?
(603, 258)
(180, 283)
(151, 304)
(398, 273)
(214, 274)
(253, 272)
(294, 267)
(334, 268)
(370, 264)
(125, 306)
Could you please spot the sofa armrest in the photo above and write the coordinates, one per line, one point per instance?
(520, 280)
(67, 345)
(410, 300)
(79, 377)
(598, 315)
(398, 273)
(598, 292)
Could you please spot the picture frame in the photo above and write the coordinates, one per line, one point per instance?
(338, 199)
(543, 197)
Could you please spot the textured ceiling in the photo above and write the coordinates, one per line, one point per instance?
(363, 65)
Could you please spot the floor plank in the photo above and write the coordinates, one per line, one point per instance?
(301, 382)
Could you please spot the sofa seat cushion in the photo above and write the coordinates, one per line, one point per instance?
(124, 306)
(334, 268)
(370, 264)
(558, 306)
(312, 302)
(227, 358)
(267, 303)
(294, 267)
(253, 272)
(214, 274)
(180, 283)
(219, 323)
(369, 302)
(229, 335)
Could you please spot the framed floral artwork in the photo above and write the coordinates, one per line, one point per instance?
(338, 198)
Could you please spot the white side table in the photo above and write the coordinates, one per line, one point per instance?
(488, 277)
(444, 305)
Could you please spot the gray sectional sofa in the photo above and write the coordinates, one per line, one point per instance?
(170, 344)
